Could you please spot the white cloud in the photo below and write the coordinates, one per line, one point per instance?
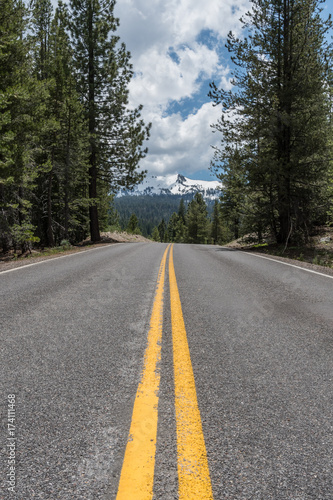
(174, 22)
(171, 63)
(181, 145)
(162, 79)
(189, 17)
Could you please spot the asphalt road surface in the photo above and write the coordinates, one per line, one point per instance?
(98, 393)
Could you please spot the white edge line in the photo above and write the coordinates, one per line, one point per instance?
(56, 258)
(287, 264)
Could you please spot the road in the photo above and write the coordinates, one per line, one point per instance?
(255, 334)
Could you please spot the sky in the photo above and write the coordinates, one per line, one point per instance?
(177, 49)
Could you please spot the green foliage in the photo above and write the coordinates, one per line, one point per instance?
(65, 244)
(149, 209)
(330, 194)
(152, 209)
(191, 225)
(276, 145)
(171, 231)
(133, 225)
(182, 211)
(23, 236)
(67, 136)
(218, 232)
(116, 133)
(162, 230)
(197, 220)
(21, 102)
(155, 234)
(113, 215)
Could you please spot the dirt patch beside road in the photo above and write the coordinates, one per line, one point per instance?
(11, 261)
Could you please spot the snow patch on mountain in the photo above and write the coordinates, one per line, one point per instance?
(174, 184)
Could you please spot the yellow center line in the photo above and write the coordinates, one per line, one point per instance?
(192, 463)
(137, 475)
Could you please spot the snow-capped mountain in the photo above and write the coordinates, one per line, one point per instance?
(175, 184)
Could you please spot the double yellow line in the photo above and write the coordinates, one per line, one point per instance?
(137, 475)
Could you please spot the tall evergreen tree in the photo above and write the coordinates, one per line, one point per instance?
(116, 134)
(133, 225)
(42, 13)
(70, 197)
(182, 211)
(20, 105)
(180, 228)
(62, 200)
(162, 230)
(276, 117)
(197, 220)
(155, 234)
(172, 227)
(113, 214)
(217, 228)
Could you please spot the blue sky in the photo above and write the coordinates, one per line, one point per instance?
(177, 48)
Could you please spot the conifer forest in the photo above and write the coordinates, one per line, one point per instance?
(67, 136)
(275, 158)
(69, 140)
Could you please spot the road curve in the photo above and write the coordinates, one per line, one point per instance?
(73, 341)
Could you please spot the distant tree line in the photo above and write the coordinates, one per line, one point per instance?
(193, 224)
(150, 210)
(67, 136)
(275, 157)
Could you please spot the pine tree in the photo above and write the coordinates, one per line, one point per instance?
(233, 199)
(217, 229)
(70, 153)
(180, 236)
(180, 227)
(277, 117)
(20, 105)
(42, 13)
(162, 230)
(155, 234)
(172, 228)
(197, 220)
(116, 134)
(182, 211)
(133, 225)
(113, 215)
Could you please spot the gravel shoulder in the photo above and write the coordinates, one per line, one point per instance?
(8, 262)
(298, 263)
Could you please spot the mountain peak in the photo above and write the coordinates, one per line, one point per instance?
(174, 184)
(181, 179)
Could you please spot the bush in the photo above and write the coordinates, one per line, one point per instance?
(65, 244)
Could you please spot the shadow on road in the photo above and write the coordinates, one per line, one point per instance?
(226, 249)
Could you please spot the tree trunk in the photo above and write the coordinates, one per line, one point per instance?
(66, 186)
(4, 238)
(49, 232)
(93, 211)
(236, 228)
(284, 130)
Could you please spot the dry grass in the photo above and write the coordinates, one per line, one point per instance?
(11, 259)
(318, 250)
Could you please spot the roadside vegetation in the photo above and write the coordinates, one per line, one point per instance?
(67, 135)
(318, 250)
(68, 138)
(192, 224)
(275, 156)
